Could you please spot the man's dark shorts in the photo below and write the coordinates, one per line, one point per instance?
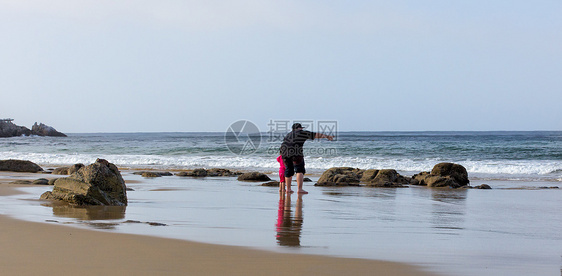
(293, 164)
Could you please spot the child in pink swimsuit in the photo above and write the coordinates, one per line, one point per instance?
(281, 173)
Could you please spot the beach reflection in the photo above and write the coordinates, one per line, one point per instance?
(90, 212)
(289, 226)
(448, 209)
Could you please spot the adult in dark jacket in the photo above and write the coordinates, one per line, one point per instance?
(292, 153)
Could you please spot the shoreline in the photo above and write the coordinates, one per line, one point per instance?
(32, 248)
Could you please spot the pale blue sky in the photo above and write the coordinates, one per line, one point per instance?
(134, 66)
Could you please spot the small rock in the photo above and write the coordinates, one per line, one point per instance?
(150, 174)
(483, 187)
(40, 181)
(21, 182)
(254, 176)
(271, 184)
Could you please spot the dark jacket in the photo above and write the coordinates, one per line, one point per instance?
(294, 141)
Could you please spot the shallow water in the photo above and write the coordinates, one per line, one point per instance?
(503, 231)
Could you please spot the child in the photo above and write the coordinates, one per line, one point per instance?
(281, 174)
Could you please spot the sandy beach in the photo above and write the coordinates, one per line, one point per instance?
(30, 248)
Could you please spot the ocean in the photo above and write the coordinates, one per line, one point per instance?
(512, 229)
(527, 156)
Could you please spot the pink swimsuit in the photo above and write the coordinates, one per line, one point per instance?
(281, 169)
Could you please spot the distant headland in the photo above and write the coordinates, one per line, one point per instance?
(9, 129)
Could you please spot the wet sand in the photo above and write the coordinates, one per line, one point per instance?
(31, 248)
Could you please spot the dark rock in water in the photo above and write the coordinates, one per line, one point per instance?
(52, 181)
(45, 130)
(271, 184)
(19, 166)
(253, 176)
(9, 129)
(306, 179)
(97, 184)
(40, 181)
(443, 175)
(483, 187)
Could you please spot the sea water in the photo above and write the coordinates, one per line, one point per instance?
(535, 155)
(513, 229)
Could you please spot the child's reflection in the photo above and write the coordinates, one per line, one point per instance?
(289, 227)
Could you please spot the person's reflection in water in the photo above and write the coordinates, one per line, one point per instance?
(289, 227)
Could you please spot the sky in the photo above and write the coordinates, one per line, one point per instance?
(180, 65)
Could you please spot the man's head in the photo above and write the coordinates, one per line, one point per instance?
(297, 126)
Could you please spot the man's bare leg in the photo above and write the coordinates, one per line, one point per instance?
(288, 183)
(300, 181)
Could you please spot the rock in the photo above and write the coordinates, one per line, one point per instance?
(221, 172)
(443, 175)
(306, 179)
(52, 181)
(151, 174)
(210, 172)
(340, 176)
(483, 187)
(61, 171)
(9, 129)
(271, 184)
(68, 170)
(193, 173)
(346, 176)
(97, 184)
(45, 130)
(21, 182)
(253, 176)
(369, 175)
(40, 181)
(74, 168)
(387, 178)
(457, 172)
(19, 166)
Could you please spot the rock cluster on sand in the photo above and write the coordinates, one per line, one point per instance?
(346, 176)
(97, 184)
(443, 175)
(210, 172)
(9, 129)
(151, 174)
(19, 166)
